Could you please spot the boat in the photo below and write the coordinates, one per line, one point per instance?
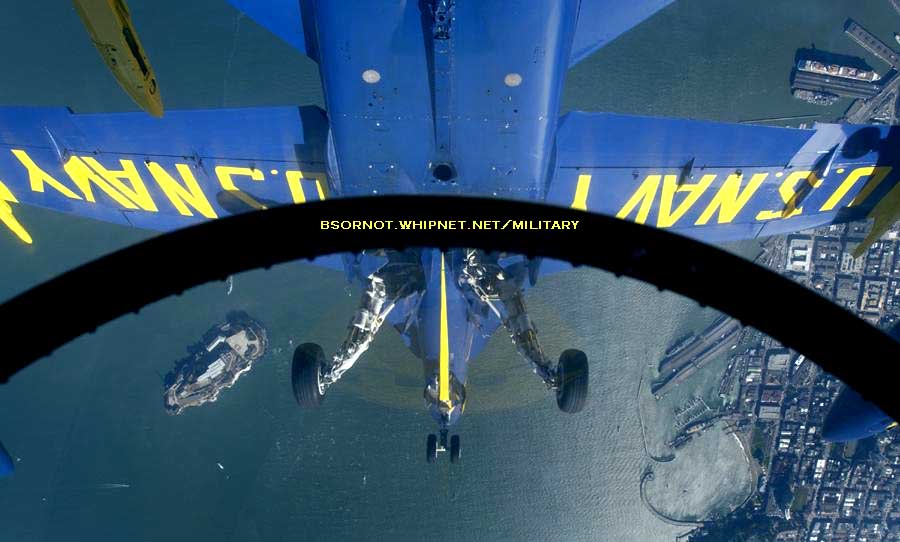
(226, 352)
(818, 98)
(897, 37)
(835, 70)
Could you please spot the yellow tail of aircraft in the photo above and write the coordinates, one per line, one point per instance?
(109, 24)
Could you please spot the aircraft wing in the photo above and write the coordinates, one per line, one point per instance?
(601, 21)
(720, 182)
(159, 174)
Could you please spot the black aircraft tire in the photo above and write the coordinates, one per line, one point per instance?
(431, 448)
(455, 449)
(309, 360)
(571, 395)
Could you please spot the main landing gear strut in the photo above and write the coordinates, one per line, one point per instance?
(487, 279)
(312, 373)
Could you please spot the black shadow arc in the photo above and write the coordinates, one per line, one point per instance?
(68, 306)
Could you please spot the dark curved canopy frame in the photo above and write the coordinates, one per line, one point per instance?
(67, 306)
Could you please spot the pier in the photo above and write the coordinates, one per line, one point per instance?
(781, 119)
(882, 105)
(842, 86)
(685, 361)
(872, 44)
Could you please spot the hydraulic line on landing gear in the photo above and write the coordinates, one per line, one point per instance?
(400, 277)
(487, 279)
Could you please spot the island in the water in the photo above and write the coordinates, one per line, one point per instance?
(225, 352)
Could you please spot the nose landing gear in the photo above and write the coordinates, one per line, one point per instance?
(435, 445)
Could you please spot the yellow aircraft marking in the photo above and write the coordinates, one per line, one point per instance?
(83, 176)
(135, 190)
(319, 189)
(581, 193)
(790, 195)
(643, 196)
(37, 177)
(444, 367)
(182, 195)
(293, 180)
(875, 176)
(225, 174)
(668, 217)
(6, 215)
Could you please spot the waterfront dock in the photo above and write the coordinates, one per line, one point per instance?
(872, 44)
(842, 86)
(687, 359)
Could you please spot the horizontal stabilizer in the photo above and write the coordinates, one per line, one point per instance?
(159, 174)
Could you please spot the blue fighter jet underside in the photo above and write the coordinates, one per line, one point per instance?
(445, 97)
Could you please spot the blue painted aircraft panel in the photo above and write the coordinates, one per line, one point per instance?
(382, 131)
(161, 174)
(719, 182)
(505, 95)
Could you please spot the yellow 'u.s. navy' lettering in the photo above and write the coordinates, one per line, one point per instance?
(135, 189)
(790, 195)
(643, 196)
(731, 198)
(668, 217)
(37, 177)
(7, 217)
(294, 177)
(182, 195)
(83, 176)
(734, 195)
(876, 175)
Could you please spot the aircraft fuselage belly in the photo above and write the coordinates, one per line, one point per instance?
(484, 100)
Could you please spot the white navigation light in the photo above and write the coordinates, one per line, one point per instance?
(371, 76)
(512, 79)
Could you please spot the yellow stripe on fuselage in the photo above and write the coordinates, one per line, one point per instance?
(444, 375)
